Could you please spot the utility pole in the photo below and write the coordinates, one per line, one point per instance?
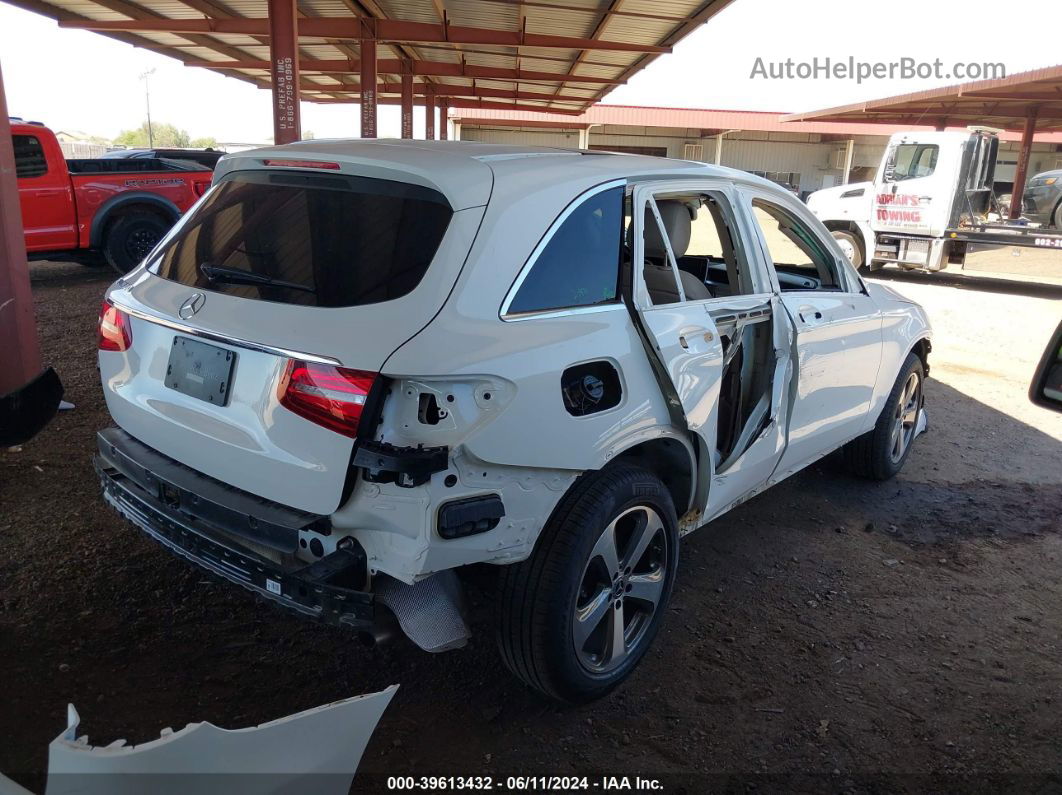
(147, 100)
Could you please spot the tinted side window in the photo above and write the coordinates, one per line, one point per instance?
(29, 156)
(579, 266)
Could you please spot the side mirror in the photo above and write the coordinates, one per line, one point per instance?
(1046, 389)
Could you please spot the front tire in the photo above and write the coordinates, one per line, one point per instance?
(881, 453)
(850, 246)
(1058, 217)
(131, 238)
(576, 617)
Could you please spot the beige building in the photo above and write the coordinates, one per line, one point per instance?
(804, 156)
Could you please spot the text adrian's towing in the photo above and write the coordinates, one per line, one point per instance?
(932, 196)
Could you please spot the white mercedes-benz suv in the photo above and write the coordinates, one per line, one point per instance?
(356, 367)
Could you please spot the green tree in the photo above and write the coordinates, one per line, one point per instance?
(206, 142)
(163, 135)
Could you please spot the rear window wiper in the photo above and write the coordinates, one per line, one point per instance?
(223, 275)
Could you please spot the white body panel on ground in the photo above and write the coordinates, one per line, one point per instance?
(315, 752)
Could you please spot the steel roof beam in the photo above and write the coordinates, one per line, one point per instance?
(1015, 96)
(396, 66)
(454, 102)
(386, 30)
(599, 27)
(588, 10)
(442, 90)
(536, 57)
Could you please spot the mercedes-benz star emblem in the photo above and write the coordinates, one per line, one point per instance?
(191, 306)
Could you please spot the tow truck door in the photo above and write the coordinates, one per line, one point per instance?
(916, 184)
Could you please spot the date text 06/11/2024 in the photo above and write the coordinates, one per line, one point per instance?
(523, 784)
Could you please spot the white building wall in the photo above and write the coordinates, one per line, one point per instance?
(525, 137)
(1044, 157)
(807, 155)
(810, 160)
(817, 162)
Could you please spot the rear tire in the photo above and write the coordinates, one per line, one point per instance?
(575, 618)
(130, 238)
(880, 453)
(851, 246)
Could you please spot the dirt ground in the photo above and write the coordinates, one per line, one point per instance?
(831, 634)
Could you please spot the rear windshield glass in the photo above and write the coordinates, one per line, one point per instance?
(317, 240)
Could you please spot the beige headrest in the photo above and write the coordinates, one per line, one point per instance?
(677, 224)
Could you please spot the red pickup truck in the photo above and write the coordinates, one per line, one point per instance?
(80, 209)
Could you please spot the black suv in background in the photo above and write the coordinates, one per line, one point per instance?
(1042, 201)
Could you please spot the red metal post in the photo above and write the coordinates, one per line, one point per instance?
(407, 105)
(444, 108)
(368, 88)
(20, 353)
(284, 65)
(429, 115)
(1022, 170)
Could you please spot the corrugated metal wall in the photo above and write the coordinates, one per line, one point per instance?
(1044, 157)
(804, 154)
(565, 138)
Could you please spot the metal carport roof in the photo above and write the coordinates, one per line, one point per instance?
(1029, 101)
(556, 55)
(1006, 102)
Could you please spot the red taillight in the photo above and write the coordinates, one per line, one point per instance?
(333, 397)
(116, 333)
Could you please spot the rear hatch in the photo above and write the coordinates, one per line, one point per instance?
(260, 322)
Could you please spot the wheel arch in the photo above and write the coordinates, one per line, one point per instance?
(921, 348)
(672, 460)
(128, 202)
(863, 234)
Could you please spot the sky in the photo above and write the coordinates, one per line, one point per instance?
(76, 80)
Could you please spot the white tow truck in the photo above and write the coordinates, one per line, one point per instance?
(930, 199)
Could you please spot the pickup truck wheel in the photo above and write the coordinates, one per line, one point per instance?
(850, 246)
(130, 238)
(881, 453)
(576, 617)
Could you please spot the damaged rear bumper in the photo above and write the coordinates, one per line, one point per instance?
(235, 535)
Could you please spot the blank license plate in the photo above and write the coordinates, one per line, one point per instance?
(916, 251)
(201, 371)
